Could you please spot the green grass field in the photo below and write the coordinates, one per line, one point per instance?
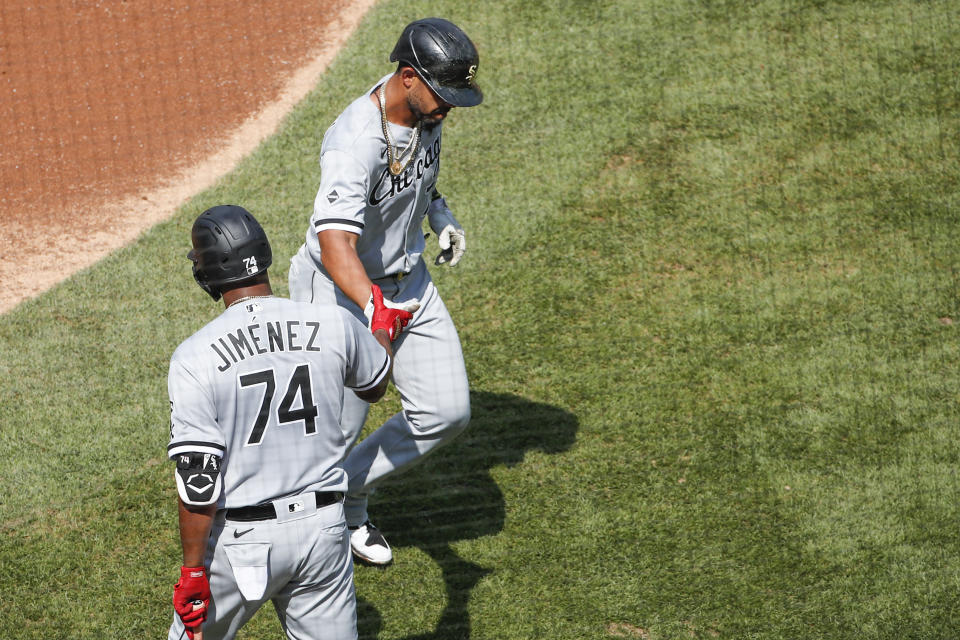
(709, 309)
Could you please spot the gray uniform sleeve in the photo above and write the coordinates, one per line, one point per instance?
(367, 360)
(193, 416)
(342, 195)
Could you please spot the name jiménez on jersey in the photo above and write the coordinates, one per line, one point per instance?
(269, 337)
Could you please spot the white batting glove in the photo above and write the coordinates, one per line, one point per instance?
(450, 235)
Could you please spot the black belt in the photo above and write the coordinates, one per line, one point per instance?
(267, 512)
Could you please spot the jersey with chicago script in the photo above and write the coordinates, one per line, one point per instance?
(262, 387)
(358, 194)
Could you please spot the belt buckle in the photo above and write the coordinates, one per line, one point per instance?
(401, 276)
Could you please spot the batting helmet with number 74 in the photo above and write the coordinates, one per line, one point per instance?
(229, 246)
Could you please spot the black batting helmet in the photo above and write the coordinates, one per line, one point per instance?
(444, 57)
(229, 246)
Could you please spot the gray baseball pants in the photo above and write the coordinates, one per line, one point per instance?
(300, 562)
(428, 371)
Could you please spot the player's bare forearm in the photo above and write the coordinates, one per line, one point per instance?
(338, 250)
(384, 339)
(195, 526)
(375, 394)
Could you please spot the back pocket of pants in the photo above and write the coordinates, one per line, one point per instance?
(250, 563)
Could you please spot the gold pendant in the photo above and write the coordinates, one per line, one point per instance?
(396, 167)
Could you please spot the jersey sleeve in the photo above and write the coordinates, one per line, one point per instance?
(367, 361)
(342, 195)
(193, 416)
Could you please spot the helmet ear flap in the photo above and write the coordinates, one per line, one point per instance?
(201, 277)
(201, 280)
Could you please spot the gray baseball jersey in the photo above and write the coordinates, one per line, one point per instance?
(262, 386)
(358, 194)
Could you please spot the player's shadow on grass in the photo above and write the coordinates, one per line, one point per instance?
(451, 497)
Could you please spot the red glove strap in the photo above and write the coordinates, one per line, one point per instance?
(193, 586)
(386, 318)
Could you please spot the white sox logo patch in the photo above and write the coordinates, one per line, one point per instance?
(471, 73)
(332, 196)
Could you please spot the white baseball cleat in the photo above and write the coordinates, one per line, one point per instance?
(369, 545)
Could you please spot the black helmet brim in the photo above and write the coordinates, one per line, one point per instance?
(459, 96)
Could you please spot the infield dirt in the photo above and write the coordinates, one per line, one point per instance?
(113, 114)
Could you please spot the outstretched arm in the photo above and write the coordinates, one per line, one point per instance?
(338, 250)
(374, 394)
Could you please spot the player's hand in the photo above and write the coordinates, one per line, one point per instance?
(386, 315)
(453, 242)
(191, 596)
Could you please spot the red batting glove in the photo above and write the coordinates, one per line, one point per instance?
(191, 596)
(389, 317)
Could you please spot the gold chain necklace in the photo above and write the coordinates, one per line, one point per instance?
(393, 161)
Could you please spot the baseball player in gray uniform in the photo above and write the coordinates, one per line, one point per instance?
(255, 402)
(379, 165)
